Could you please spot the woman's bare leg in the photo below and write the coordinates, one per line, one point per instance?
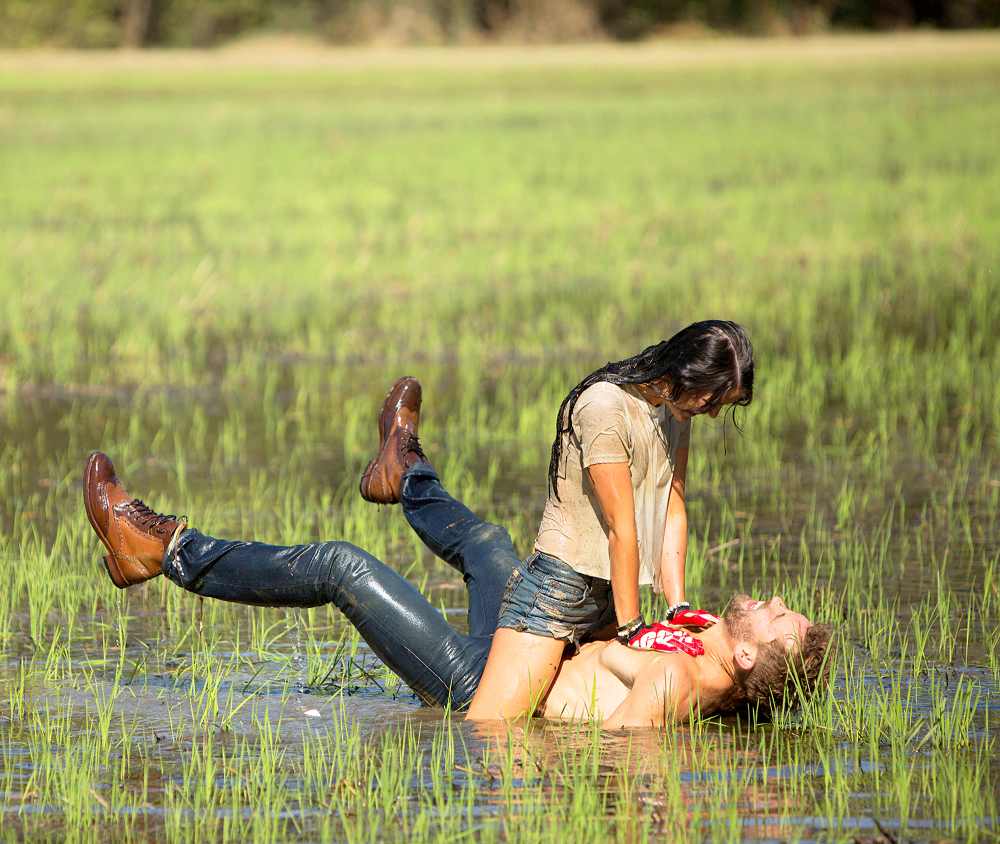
(519, 671)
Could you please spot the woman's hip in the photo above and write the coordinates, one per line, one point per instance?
(547, 597)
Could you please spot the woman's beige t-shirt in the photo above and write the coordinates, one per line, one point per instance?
(612, 424)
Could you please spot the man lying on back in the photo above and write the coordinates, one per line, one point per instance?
(753, 656)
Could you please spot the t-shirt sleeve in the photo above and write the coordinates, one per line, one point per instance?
(601, 426)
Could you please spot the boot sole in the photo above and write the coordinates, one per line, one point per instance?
(114, 572)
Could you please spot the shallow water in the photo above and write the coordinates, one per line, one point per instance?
(303, 680)
(214, 276)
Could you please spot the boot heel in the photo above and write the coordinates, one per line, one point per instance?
(114, 572)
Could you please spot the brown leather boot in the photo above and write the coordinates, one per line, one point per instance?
(398, 446)
(135, 536)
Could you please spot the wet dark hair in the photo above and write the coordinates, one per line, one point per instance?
(713, 356)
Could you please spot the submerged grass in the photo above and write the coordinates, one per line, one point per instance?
(214, 277)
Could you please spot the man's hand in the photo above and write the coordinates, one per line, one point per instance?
(666, 639)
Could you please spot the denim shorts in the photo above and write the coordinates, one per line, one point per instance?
(547, 597)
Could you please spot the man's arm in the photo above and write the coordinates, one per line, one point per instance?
(626, 663)
(660, 694)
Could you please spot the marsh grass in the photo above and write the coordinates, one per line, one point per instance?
(213, 276)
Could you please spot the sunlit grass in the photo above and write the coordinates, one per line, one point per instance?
(214, 277)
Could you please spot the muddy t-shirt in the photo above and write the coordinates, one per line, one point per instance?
(612, 424)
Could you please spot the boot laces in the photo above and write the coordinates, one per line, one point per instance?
(411, 443)
(146, 517)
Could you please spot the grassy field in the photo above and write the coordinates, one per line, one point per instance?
(212, 266)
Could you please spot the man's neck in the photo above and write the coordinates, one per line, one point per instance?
(715, 667)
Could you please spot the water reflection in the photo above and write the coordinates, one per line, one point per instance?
(769, 784)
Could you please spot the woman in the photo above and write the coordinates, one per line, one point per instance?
(615, 517)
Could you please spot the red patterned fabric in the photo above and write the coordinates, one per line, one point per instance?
(667, 639)
(694, 618)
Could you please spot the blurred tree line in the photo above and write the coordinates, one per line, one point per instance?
(139, 23)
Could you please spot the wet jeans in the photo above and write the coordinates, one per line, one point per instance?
(399, 624)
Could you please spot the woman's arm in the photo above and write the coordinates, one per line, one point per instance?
(612, 484)
(675, 537)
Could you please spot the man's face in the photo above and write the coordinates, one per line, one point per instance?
(762, 622)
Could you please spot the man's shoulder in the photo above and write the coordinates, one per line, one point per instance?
(667, 679)
(660, 691)
(678, 663)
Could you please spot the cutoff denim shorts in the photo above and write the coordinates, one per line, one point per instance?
(547, 597)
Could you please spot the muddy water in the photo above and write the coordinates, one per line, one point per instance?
(291, 684)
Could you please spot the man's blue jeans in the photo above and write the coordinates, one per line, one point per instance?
(399, 624)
